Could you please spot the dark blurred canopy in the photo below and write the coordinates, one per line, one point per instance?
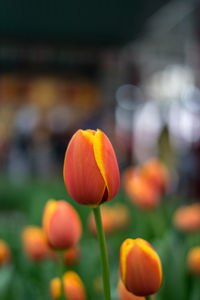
(102, 22)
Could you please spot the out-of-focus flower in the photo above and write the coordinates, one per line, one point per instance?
(61, 224)
(35, 243)
(114, 217)
(187, 218)
(72, 255)
(140, 191)
(156, 173)
(73, 286)
(55, 288)
(5, 254)
(91, 172)
(124, 294)
(193, 260)
(140, 267)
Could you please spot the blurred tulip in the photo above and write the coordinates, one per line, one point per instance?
(155, 172)
(35, 243)
(91, 172)
(193, 260)
(114, 217)
(61, 224)
(187, 218)
(74, 288)
(140, 191)
(72, 255)
(72, 284)
(5, 254)
(124, 294)
(55, 288)
(140, 267)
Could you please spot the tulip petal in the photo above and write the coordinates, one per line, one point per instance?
(107, 163)
(82, 177)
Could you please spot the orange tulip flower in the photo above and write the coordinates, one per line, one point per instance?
(5, 254)
(124, 294)
(35, 243)
(74, 288)
(193, 260)
(91, 172)
(72, 255)
(114, 217)
(140, 191)
(140, 267)
(61, 224)
(187, 218)
(156, 173)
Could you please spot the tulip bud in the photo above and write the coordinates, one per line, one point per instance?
(74, 288)
(91, 172)
(55, 288)
(35, 243)
(140, 191)
(61, 224)
(72, 284)
(193, 260)
(72, 255)
(5, 254)
(140, 267)
(124, 294)
(187, 218)
(156, 173)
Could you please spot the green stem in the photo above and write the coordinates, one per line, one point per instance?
(60, 263)
(103, 250)
(148, 297)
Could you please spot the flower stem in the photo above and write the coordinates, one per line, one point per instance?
(103, 250)
(148, 297)
(60, 263)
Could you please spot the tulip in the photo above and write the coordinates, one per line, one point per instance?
(140, 191)
(193, 260)
(73, 286)
(72, 255)
(114, 217)
(124, 294)
(55, 288)
(35, 243)
(156, 173)
(187, 218)
(140, 267)
(61, 224)
(91, 172)
(5, 254)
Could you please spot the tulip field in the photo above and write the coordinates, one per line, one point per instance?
(152, 236)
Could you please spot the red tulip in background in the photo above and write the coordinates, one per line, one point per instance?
(61, 224)
(91, 172)
(5, 254)
(140, 267)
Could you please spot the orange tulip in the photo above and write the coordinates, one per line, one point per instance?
(73, 287)
(156, 173)
(124, 294)
(193, 260)
(140, 191)
(61, 224)
(35, 243)
(140, 267)
(55, 288)
(72, 255)
(187, 218)
(5, 254)
(91, 172)
(114, 217)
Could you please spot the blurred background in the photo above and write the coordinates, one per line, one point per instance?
(130, 68)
